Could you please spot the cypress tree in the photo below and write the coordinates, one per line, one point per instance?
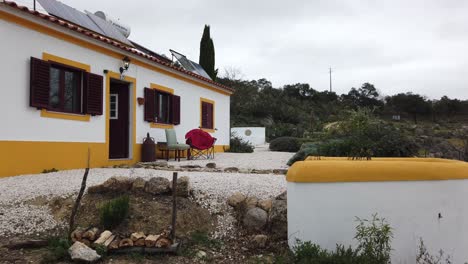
(207, 53)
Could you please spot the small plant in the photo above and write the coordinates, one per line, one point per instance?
(425, 257)
(101, 250)
(286, 144)
(58, 250)
(239, 145)
(114, 212)
(203, 239)
(374, 239)
(49, 170)
(373, 236)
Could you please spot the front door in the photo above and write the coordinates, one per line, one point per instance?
(119, 120)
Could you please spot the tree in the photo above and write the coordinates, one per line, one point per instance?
(207, 53)
(412, 104)
(365, 96)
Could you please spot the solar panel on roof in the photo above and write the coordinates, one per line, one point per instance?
(190, 65)
(89, 20)
(108, 28)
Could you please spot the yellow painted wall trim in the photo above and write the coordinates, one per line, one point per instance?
(67, 116)
(104, 50)
(31, 157)
(376, 170)
(162, 88)
(114, 75)
(201, 113)
(72, 63)
(163, 126)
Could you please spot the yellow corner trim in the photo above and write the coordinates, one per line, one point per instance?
(201, 112)
(164, 126)
(162, 88)
(376, 170)
(68, 116)
(104, 50)
(79, 65)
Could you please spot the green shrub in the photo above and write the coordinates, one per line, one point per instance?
(238, 145)
(374, 237)
(58, 250)
(285, 144)
(112, 213)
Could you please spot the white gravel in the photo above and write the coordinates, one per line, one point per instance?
(211, 189)
(261, 159)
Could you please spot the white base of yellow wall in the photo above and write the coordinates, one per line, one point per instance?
(29, 157)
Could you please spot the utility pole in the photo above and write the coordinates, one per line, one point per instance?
(330, 71)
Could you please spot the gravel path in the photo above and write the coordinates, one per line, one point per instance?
(211, 189)
(261, 159)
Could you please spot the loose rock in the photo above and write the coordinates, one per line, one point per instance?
(157, 185)
(231, 169)
(279, 218)
(251, 202)
(138, 185)
(265, 204)
(260, 241)
(183, 186)
(80, 252)
(255, 219)
(211, 165)
(201, 254)
(235, 199)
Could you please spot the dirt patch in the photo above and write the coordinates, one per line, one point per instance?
(148, 213)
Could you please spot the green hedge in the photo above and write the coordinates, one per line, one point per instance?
(285, 144)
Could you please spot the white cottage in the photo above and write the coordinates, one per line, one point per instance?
(63, 93)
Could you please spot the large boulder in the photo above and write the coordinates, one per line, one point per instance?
(279, 218)
(183, 186)
(114, 185)
(82, 253)
(255, 219)
(251, 202)
(265, 204)
(158, 185)
(138, 185)
(236, 199)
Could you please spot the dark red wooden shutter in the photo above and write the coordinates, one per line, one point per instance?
(93, 93)
(210, 116)
(149, 105)
(175, 109)
(39, 86)
(204, 115)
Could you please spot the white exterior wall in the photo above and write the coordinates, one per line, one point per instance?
(324, 213)
(257, 136)
(20, 122)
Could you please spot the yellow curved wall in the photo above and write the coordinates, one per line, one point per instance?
(331, 169)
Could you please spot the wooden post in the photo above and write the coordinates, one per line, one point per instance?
(174, 207)
(78, 199)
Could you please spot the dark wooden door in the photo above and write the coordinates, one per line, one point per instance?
(119, 121)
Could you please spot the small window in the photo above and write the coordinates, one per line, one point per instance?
(114, 106)
(164, 106)
(65, 90)
(207, 115)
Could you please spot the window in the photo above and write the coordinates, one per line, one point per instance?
(114, 106)
(62, 88)
(161, 107)
(207, 112)
(65, 90)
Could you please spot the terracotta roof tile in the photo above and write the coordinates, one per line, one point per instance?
(112, 42)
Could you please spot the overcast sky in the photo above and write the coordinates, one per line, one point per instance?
(399, 45)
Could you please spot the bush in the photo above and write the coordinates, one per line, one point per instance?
(374, 237)
(114, 212)
(238, 145)
(58, 250)
(285, 144)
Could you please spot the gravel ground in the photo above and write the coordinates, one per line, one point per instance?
(211, 189)
(261, 159)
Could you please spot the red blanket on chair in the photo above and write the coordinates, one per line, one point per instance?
(199, 139)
